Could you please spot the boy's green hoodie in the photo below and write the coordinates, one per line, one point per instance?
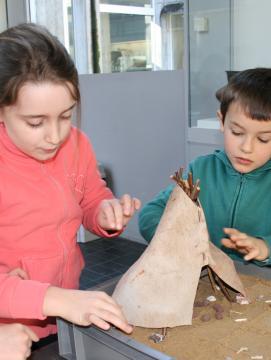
(228, 198)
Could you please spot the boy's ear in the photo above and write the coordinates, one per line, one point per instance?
(220, 118)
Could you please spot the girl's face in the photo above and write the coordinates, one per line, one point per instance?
(40, 120)
(247, 141)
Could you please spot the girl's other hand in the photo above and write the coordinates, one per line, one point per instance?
(18, 272)
(16, 341)
(85, 308)
(114, 214)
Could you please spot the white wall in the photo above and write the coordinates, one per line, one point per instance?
(251, 34)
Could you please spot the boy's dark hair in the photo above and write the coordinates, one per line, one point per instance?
(251, 89)
(29, 52)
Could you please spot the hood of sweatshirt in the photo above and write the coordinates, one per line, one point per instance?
(221, 155)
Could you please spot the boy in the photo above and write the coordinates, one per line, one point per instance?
(235, 182)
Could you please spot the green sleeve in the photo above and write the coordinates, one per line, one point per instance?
(266, 262)
(152, 212)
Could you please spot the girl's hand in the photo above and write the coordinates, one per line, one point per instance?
(16, 341)
(254, 248)
(114, 214)
(18, 272)
(85, 308)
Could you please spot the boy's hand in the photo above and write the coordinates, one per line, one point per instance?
(254, 248)
(85, 308)
(114, 214)
(16, 341)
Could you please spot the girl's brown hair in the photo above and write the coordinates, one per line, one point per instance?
(29, 52)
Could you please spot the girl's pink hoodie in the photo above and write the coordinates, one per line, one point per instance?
(42, 205)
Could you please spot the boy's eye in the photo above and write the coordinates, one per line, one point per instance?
(235, 132)
(264, 141)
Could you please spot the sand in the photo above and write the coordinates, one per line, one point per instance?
(225, 339)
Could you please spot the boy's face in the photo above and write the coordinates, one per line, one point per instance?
(40, 120)
(247, 141)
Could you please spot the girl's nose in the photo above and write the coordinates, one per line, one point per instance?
(53, 134)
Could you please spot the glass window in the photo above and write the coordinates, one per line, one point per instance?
(3, 15)
(125, 42)
(141, 36)
(225, 36)
(209, 58)
(57, 16)
(172, 29)
(116, 35)
(127, 2)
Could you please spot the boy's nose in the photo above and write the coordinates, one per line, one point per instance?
(246, 145)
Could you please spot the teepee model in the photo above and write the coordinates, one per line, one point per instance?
(159, 289)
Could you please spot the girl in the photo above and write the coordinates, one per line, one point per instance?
(49, 185)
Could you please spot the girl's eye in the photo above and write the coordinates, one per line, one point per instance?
(34, 125)
(66, 117)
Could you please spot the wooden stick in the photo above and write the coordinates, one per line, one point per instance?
(212, 279)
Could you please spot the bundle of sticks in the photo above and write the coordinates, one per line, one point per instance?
(192, 190)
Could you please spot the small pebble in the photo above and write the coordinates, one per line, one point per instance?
(242, 349)
(157, 338)
(218, 308)
(219, 315)
(195, 315)
(201, 303)
(211, 298)
(242, 300)
(205, 317)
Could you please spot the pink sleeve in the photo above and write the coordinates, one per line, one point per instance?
(21, 298)
(95, 191)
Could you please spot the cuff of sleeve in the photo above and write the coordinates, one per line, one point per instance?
(24, 305)
(267, 261)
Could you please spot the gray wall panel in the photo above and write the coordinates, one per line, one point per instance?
(136, 123)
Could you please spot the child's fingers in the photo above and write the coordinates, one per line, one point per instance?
(127, 204)
(236, 235)
(137, 203)
(228, 243)
(33, 336)
(243, 242)
(231, 231)
(252, 254)
(104, 321)
(19, 272)
(118, 214)
(93, 319)
(108, 214)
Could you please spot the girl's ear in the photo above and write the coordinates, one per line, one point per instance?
(220, 118)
